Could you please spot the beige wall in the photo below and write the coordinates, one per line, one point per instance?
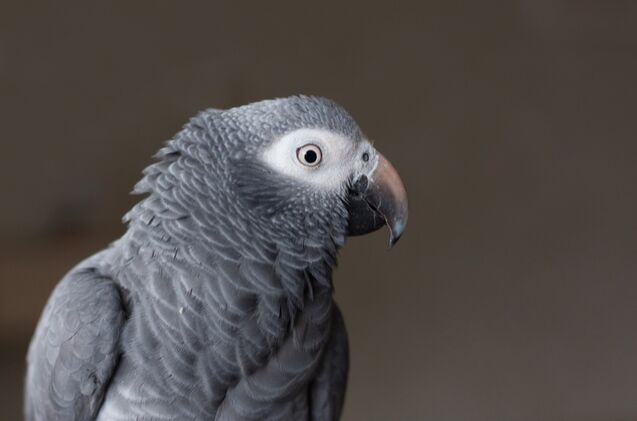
(512, 294)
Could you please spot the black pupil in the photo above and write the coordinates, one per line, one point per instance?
(310, 156)
(365, 157)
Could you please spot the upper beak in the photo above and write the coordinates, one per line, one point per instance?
(377, 200)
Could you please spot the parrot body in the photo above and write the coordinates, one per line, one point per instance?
(217, 302)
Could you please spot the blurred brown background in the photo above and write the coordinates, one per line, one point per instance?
(511, 296)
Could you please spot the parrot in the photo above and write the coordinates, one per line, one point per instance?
(217, 302)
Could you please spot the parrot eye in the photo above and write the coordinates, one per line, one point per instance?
(309, 155)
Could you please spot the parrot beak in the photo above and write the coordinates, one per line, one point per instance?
(377, 200)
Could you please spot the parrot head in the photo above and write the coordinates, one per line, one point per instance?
(290, 172)
(304, 164)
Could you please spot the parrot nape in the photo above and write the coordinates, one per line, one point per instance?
(217, 303)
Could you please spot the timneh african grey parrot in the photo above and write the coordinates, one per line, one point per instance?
(217, 302)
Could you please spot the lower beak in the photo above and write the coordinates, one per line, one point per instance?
(377, 200)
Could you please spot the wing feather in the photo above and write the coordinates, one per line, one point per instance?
(74, 351)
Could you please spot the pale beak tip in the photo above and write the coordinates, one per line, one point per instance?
(396, 231)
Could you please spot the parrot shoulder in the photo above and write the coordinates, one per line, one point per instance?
(75, 349)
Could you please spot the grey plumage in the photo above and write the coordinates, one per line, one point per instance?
(217, 302)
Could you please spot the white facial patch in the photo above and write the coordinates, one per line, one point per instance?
(338, 157)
